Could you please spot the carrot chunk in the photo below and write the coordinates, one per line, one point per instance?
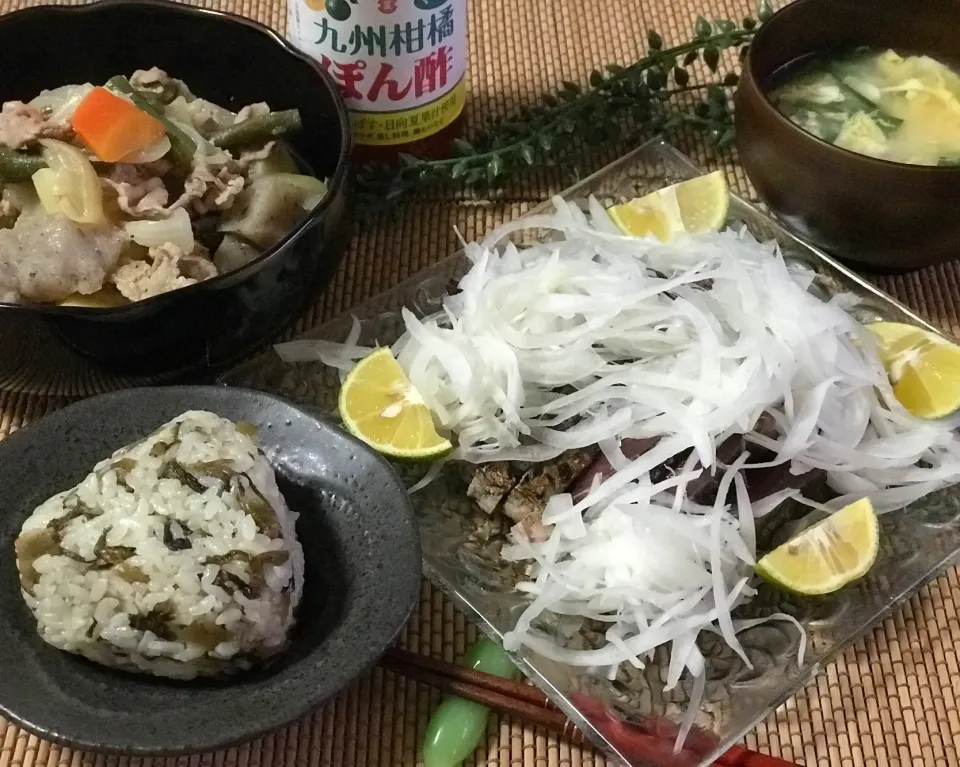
(113, 127)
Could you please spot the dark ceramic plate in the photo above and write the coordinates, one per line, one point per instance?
(229, 60)
(362, 578)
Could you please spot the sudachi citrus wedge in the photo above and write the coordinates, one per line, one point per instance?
(645, 217)
(697, 205)
(828, 555)
(380, 406)
(924, 368)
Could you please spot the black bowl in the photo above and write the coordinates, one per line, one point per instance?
(362, 578)
(229, 60)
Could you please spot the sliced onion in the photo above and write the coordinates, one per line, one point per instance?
(175, 230)
(184, 111)
(152, 153)
(204, 147)
(69, 185)
(62, 102)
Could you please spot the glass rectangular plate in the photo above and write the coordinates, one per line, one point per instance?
(461, 543)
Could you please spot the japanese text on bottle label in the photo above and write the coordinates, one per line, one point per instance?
(399, 63)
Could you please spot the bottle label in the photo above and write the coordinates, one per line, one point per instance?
(400, 64)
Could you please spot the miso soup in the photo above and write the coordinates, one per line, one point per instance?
(882, 104)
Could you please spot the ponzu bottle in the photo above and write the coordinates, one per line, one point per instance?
(400, 64)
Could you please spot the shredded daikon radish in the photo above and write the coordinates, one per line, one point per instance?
(342, 356)
(591, 337)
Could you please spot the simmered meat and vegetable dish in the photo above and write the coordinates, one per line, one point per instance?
(116, 193)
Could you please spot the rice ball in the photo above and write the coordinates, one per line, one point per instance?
(176, 557)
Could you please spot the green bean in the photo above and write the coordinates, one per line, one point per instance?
(153, 99)
(19, 166)
(182, 147)
(257, 129)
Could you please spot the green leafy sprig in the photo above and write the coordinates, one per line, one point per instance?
(656, 94)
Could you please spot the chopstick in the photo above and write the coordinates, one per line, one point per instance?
(501, 694)
(528, 703)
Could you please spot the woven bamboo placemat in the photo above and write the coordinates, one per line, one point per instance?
(889, 700)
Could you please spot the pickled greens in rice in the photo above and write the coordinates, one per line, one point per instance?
(634, 406)
(177, 556)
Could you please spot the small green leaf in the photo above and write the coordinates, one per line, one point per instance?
(463, 147)
(716, 94)
(654, 40)
(702, 28)
(711, 57)
(690, 58)
(526, 151)
(680, 76)
(716, 110)
(749, 23)
(764, 10)
(567, 96)
(474, 176)
(725, 26)
(655, 79)
(550, 100)
(459, 169)
(408, 160)
(494, 167)
(570, 87)
(596, 79)
(731, 80)
(546, 141)
(614, 69)
(585, 119)
(702, 110)
(726, 138)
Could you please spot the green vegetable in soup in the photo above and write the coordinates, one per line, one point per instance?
(903, 109)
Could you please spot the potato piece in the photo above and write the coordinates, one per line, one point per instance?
(233, 253)
(270, 207)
